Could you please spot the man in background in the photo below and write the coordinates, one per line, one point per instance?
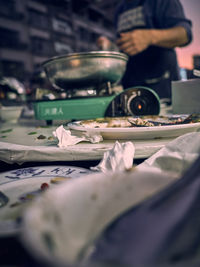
(149, 31)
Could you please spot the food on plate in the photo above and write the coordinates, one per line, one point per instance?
(17, 204)
(58, 180)
(41, 137)
(107, 123)
(6, 131)
(30, 195)
(142, 121)
(32, 133)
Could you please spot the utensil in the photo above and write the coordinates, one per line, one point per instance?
(86, 69)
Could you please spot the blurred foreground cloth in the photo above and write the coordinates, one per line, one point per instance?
(145, 216)
(163, 230)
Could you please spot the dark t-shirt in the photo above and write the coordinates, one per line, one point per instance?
(156, 66)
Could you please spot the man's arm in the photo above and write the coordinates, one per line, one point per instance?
(170, 38)
(137, 41)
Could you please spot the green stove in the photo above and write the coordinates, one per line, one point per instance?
(135, 101)
(100, 72)
(73, 108)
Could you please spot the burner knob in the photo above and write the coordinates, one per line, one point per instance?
(142, 101)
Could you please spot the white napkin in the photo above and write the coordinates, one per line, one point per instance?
(176, 157)
(119, 158)
(66, 139)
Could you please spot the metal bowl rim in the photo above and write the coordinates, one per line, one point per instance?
(84, 55)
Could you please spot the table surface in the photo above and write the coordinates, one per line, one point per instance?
(19, 143)
(20, 148)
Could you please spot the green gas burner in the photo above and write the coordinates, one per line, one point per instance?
(100, 71)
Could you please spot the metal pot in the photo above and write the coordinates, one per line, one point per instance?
(81, 70)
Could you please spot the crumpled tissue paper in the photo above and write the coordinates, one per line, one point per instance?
(119, 158)
(66, 139)
(176, 157)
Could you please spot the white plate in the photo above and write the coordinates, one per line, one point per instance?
(22, 185)
(138, 132)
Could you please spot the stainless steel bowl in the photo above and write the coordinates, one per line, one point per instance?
(81, 70)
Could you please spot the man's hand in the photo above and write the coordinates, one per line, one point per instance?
(103, 43)
(135, 41)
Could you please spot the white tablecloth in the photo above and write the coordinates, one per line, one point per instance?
(19, 143)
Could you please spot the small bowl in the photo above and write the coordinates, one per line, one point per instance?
(10, 113)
